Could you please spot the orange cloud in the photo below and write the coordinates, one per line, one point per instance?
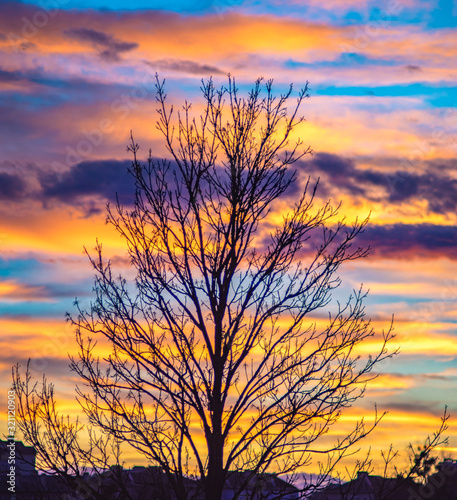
(56, 231)
(11, 291)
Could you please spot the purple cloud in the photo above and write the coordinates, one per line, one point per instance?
(110, 49)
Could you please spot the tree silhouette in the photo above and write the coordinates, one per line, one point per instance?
(394, 482)
(62, 446)
(217, 361)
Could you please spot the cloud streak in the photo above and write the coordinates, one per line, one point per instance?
(89, 185)
(109, 48)
(435, 185)
(190, 67)
(410, 241)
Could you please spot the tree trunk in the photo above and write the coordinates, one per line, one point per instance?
(215, 479)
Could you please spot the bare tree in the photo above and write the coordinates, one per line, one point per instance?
(395, 480)
(422, 457)
(217, 361)
(65, 449)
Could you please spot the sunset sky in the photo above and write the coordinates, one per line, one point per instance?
(77, 75)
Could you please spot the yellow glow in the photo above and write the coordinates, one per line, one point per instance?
(57, 231)
(10, 291)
